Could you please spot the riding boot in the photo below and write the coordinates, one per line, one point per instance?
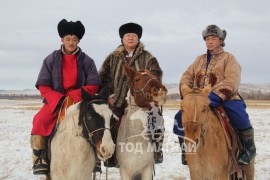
(112, 161)
(97, 167)
(248, 153)
(40, 159)
(158, 140)
(182, 147)
(158, 155)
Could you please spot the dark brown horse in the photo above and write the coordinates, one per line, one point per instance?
(134, 150)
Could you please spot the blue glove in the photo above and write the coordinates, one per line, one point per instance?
(215, 100)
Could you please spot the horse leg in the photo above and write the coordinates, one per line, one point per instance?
(147, 174)
(124, 174)
(249, 170)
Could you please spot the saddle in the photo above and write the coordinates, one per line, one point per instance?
(68, 101)
(233, 142)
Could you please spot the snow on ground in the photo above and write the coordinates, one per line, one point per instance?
(15, 151)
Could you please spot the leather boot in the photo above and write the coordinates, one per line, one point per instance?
(158, 140)
(40, 159)
(158, 155)
(97, 167)
(248, 153)
(181, 142)
(112, 161)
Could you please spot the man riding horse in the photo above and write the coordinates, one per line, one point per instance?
(132, 53)
(63, 73)
(220, 69)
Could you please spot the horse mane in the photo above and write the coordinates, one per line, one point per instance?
(195, 90)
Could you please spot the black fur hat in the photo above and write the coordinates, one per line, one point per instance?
(130, 28)
(70, 28)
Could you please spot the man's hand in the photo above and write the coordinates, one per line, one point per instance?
(111, 101)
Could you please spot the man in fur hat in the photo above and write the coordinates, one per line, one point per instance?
(63, 73)
(112, 75)
(220, 69)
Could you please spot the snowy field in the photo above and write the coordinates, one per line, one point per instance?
(15, 151)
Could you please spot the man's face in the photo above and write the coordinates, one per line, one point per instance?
(70, 43)
(130, 41)
(212, 42)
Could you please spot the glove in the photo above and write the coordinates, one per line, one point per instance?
(215, 100)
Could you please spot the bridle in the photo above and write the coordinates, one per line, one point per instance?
(142, 90)
(194, 120)
(91, 134)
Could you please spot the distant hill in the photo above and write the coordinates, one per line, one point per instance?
(248, 87)
(19, 94)
(247, 90)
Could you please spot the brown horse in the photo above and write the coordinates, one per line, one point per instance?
(206, 148)
(134, 151)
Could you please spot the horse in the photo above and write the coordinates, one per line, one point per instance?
(133, 149)
(81, 136)
(207, 152)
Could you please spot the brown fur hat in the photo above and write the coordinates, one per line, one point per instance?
(214, 30)
(70, 28)
(130, 28)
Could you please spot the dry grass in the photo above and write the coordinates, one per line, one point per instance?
(170, 104)
(260, 104)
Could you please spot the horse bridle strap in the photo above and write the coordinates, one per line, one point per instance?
(142, 89)
(91, 134)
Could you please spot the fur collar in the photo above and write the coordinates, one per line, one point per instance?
(120, 50)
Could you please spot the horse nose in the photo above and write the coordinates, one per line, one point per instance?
(103, 150)
(107, 151)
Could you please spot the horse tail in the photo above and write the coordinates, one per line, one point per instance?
(137, 177)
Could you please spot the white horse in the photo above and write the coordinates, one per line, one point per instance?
(134, 151)
(84, 132)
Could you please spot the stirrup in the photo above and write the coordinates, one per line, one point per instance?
(245, 158)
(40, 168)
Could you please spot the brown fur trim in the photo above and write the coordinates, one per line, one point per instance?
(38, 142)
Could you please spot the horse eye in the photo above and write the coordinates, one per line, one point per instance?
(137, 80)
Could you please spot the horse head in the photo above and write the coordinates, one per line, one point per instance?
(95, 117)
(145, 87)
(195, 110)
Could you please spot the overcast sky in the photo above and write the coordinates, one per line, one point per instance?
(171, 31)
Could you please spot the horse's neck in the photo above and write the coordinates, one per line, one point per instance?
(71, 118)
(213, 130)
(134, 118)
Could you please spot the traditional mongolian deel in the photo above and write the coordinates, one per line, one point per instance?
(142, 59)
(51, 75)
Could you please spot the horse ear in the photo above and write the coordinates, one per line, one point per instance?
(129, 72)
(185, 89)
(85, 96)
(104, 93)
(207, 89)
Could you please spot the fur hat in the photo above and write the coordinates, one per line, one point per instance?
(214, 30)
(70, 28)
(130, 28)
